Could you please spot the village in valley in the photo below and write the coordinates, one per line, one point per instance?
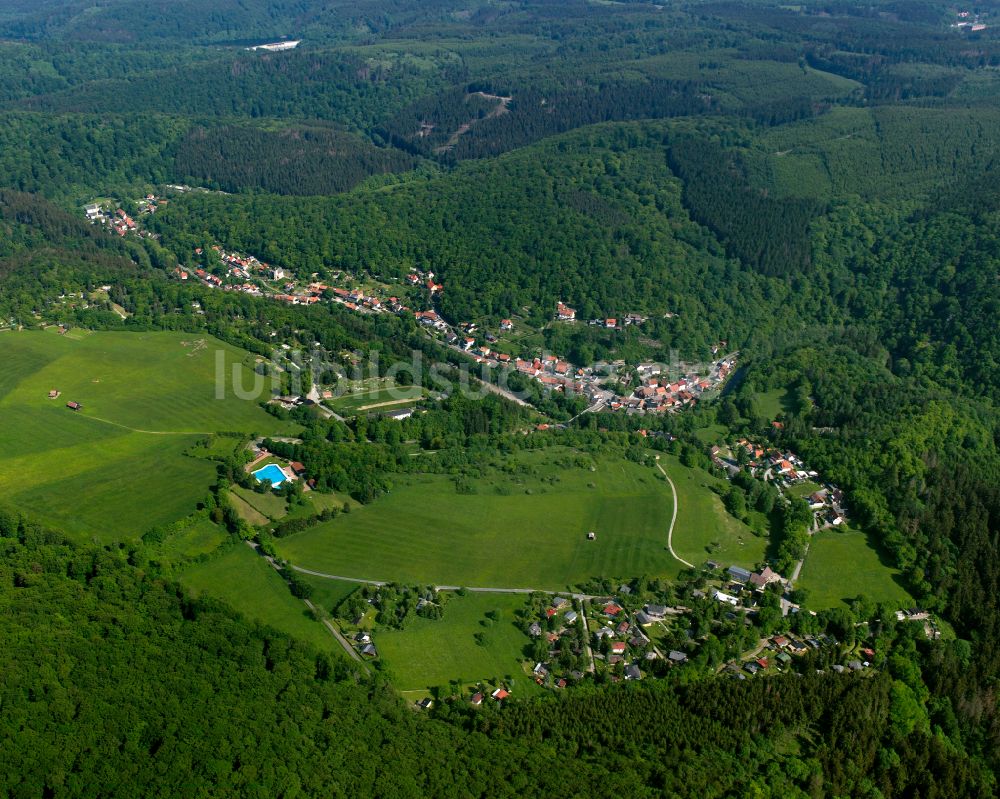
(641, 388)
(728, 620)
(719, 616)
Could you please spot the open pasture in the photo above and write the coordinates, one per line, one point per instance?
(841, 564)
(244, 580)
(524, 531)
(705, 530)
(117, 466)
(430, 653)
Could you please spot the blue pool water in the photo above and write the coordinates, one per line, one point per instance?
(272, 474)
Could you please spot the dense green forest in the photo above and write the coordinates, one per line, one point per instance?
(285, 161)
(813, 184)
(147, 679)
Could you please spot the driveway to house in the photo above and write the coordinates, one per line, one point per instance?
(673, 520)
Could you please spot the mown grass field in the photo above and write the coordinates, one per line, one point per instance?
(431, 653)
(244, 580)
(702, 521)
(502, 535)
(772, 403)
(841, 564)
(118, 466)
(362, 402)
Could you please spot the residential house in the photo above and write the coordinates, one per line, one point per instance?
(721, 597)
(739, 574)
(764, 578)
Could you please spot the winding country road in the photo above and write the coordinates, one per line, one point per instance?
(471, 590)
(673, 520)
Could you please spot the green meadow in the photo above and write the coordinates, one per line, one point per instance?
(243, 579)
(328, 594)
(118, 466)
(259, 509)
(200, 537)
(773, 403)
(841, 564)
(513, 531)
(705, 529)
(431, 653)
(383, 399)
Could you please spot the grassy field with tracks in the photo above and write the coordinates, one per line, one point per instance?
(527, 530)
(117, 466)
(704, 529)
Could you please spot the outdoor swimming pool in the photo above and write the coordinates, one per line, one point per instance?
(272, 474)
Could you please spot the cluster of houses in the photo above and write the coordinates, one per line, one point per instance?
(247, 275)
(658, 393)
(931, 629)
(741, 586)
(426, 279)
(779, 650)
(626, 643)
(566, 314)
(118, 221)
(969, 21)
(786, 469)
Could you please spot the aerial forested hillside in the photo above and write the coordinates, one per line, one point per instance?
(148, 679)
(811, 188)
